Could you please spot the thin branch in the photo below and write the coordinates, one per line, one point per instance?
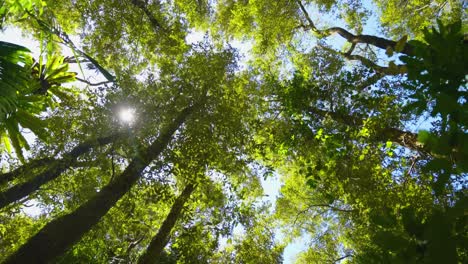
(92, 84)
(353, 45)
(341, 258)
(306, 14)
(369, 81)
(383, 134)
(366, 62)
(134, 244)
(154, 22)
(333, 208)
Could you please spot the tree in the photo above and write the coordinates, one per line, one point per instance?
(338, 124)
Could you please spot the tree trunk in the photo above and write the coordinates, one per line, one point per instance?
(156, 247)
(25, 169)
(56, 167)
(60, 234)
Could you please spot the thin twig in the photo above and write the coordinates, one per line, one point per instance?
(92, 84)
(341, 258)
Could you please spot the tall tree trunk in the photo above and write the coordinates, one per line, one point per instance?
(61, 233)
(55, 168)
(155, 248)
(25, 169)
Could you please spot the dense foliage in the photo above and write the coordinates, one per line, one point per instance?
(364, 124)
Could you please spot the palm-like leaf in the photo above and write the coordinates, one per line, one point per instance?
(27, 89)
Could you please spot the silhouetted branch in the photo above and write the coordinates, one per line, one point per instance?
(92, 84)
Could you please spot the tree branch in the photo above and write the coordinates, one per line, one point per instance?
(366, 62)
(333, 208)
(369, 81)
(11, 175)
(341, 258)
(154, 22)
(92, 84)
(54, 169)
(38, 248)
(354, 39)
(400, 137)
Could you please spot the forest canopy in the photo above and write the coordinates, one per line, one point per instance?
(146, 131)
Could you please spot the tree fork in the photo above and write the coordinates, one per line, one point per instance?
(355, 39)
(60, 234)
(156, 247)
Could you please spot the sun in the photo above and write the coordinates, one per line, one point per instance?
(127, 115)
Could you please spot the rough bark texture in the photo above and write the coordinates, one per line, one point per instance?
(156, 247)
(55, 168)
(60, 234)
(368, 39)
(354, 39)
(24, 170)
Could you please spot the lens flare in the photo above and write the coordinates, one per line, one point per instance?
(127, 115)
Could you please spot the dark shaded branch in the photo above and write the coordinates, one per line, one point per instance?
(333, 208)
(156, 247)
(366, 62)
(351, 49)
(154, 22)
(368, 82)
(398, 136)
(55, 168)
(341, 258)
(92, 84)
(133, 244)
(396, 70)
(354, 39)
(25, 169)
(61, 233)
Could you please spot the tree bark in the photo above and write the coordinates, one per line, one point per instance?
(157, 27)
(60, 234)
(367, 39)
(25, 169)
(355, 39)
(56, 167)
(156, 247)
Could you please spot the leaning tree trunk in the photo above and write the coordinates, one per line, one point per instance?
(60, 234)
(25, 169)
(155, 248)
(55, 168)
